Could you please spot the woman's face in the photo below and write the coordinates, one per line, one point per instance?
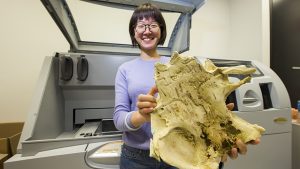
(147, 34)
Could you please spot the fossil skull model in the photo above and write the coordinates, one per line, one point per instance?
(191, 125)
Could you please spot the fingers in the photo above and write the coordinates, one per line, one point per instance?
(146, 106)
(242, 147)
(146, 98)
(153, 91)
(146, 103)
(142, 98)
(145, 111)
(230, 106)
(254, 142)
(224, 158)
(233, 154)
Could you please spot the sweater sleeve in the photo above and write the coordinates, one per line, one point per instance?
(122, 113)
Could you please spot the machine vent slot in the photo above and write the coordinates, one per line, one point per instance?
(232, 99)
(265, 90)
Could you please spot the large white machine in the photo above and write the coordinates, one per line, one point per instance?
(70, 125)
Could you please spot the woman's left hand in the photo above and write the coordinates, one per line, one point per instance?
(240, 147)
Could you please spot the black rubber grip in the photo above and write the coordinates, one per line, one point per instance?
(82, 68)
(66, 68)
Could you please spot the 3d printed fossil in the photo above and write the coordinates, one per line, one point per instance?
(191, 125)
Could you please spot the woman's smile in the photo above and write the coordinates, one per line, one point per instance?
(147, 34)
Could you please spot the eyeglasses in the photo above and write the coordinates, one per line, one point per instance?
(141, 28)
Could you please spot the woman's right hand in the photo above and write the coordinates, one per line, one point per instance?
(145, 104)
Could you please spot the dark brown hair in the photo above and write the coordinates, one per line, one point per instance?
(147, 10)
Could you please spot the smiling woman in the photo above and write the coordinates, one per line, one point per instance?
(147, 29)
(147, 16)
(147, 34)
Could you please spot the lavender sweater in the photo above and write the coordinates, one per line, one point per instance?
(133, 78)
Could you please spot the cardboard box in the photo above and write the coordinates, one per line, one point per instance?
(10, 134)
(3, 157)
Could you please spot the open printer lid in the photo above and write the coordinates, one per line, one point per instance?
(63, 14)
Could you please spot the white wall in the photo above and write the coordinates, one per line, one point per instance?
(220, 29)
(246, 29)
(27, 34)
(233, 29)
(210, 32)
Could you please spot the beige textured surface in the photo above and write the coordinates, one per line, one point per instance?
(191, 125)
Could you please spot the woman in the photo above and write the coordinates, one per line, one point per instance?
(134, 100)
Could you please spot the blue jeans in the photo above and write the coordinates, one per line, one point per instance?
(133, 158)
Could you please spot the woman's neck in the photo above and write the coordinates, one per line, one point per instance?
(149, 55)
